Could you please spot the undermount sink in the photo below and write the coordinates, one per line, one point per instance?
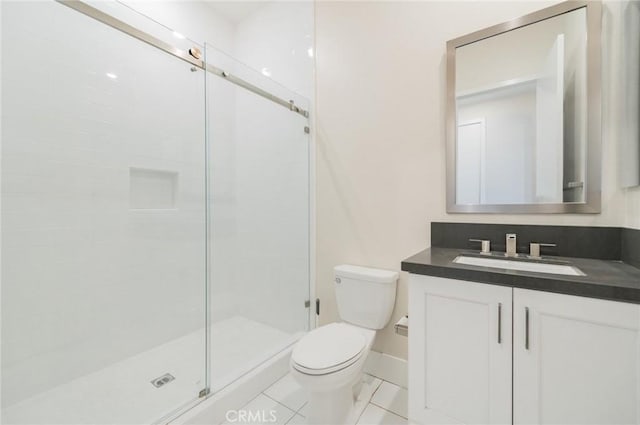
(527, 266)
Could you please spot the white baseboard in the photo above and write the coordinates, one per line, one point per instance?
(388, 368)
(213, 410)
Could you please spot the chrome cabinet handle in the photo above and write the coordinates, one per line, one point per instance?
(499, 323)
(526, 328)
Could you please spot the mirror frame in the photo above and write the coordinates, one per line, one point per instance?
(592, 202)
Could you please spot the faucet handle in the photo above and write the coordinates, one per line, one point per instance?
(534, 248)
(510, 243)
(485, 245)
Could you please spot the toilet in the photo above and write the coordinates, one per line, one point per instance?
(328, 361)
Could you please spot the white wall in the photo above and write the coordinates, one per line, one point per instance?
(632, 208)
(380, 134)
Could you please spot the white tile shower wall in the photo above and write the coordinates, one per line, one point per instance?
(278, 39)
(271, 36)
(260, 171)
(201, 22)
(225, 297)
(272, 194)
(273, 173)
(87, 281)
(258, 264)
(196, 20)
(252, 33)
(380, 136)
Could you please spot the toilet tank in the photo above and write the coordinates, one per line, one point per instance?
(365, 296)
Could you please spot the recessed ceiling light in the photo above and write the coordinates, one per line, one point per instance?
(176, 34)
(266, 72)
(112, 75)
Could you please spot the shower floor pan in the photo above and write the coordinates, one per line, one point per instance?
(123, 393)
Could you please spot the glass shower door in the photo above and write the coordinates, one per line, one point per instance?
(103, 222)
(259, 231)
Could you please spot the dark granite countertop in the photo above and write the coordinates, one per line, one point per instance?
(605, 279)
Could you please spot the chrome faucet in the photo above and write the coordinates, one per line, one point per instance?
(485, 245)
(534, 249)
(511, 245)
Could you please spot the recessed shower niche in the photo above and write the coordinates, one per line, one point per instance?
(152, 189)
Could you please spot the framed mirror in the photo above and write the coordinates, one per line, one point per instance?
(523, 114)
(629, 152)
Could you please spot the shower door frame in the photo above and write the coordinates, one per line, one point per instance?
(194, 60)
(189, 57)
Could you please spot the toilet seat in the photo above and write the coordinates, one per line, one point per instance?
(328, 349)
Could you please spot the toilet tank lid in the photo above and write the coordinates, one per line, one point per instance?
(365, 273)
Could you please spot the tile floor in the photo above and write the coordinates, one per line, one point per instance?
(381, 403)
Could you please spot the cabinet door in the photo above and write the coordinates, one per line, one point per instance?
(459, 352)
(577, 361)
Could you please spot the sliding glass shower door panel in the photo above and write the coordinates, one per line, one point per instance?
(259, 188)
(103, 222)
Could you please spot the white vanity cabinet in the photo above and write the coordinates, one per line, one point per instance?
(581, 363)
(573, 360)
(459, 352)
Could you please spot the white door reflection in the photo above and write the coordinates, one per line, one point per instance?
(470, 160)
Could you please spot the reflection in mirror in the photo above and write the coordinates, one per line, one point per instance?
(521, 114)
(524, 114)
(630, 126)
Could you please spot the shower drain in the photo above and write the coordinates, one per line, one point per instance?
(162, 380)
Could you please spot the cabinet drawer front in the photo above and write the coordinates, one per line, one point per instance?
(577, 360)
(459, 351)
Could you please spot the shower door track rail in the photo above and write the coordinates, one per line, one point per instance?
(107, 19)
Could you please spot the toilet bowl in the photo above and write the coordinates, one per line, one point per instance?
(328, 361)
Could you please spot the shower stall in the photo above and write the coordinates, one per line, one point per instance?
(155, 217)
